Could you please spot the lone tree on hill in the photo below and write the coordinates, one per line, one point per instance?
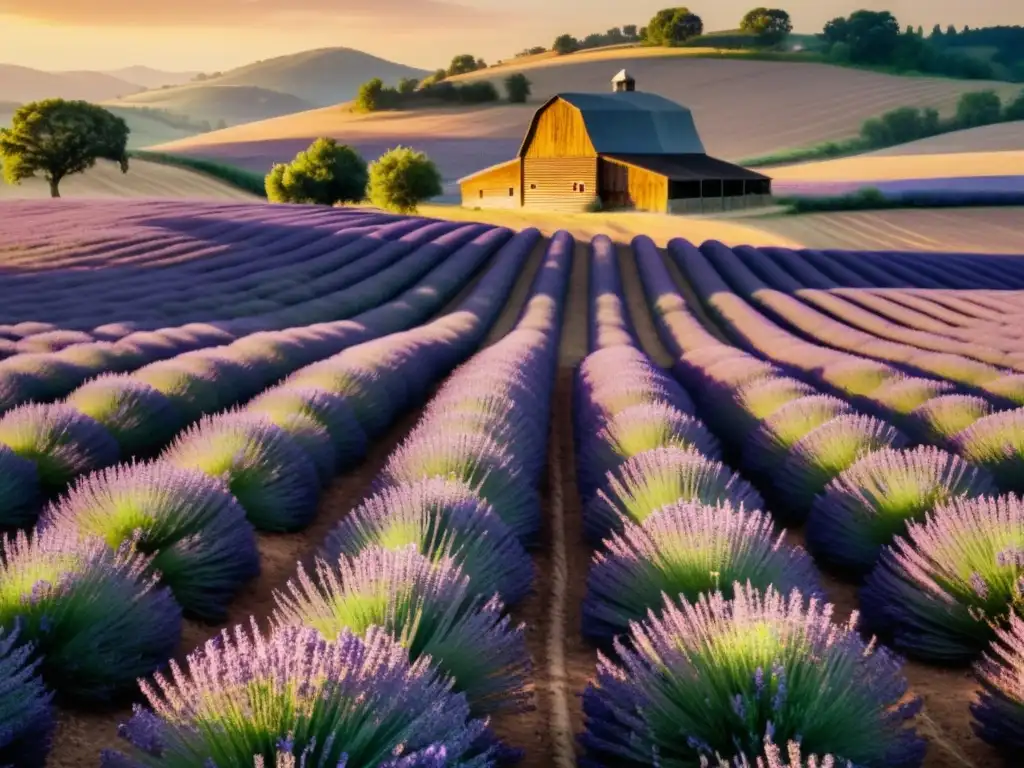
(517, 87)
(672, 26)
(565, 44)
(402, 179)
(327, 173)
(772, 25)
(59, 138)
(465, 63)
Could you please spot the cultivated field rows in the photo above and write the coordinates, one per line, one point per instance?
(446, 523)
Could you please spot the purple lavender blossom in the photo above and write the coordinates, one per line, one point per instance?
(999, 710)
(201, 544)
(866, 506)
(97, 621)
(685, 550)
(671, 695)
(444, 519)
(427, 606)
(996, 442)
(769, 445)
(939, 591)
(356, 703)
(940, 419)
(26, 712)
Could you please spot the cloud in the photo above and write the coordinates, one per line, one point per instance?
(249, 13)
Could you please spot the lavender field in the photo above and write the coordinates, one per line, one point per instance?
(286, 486)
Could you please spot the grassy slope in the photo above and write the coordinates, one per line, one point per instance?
(205, 101)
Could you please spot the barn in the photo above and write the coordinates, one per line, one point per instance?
(620, 150)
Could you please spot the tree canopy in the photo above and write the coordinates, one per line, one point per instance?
(59, 138)
(672, 26)
(517, 87)
(402, 179)
(326, 173)
(871, 35)
(464, 63)
(565, 44)
(770, 24)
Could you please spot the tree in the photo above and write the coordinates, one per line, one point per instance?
(565, 44)
(672, 26)
(517, 87)
(772, 25)
(369, 97)
(936, 34)
(59, 138)
(221, 124)
(873, 36)
(1015, 109)
(402, 179)
(408, 85)
(325, 174)
(978, 108)
(629, 30)
(462, 64)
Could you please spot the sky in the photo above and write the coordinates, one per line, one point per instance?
(210, 35)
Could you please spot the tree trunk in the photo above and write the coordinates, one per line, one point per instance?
(54, 191)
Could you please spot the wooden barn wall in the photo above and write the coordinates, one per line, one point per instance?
(547, 183)
(560, 132)
(491, 189)
(626, 186)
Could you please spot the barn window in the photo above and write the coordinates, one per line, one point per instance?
(533, 186)
(511, 192)
(575, 185)
(583, 187)
(481, 194)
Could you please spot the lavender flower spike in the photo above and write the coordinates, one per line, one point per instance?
(999, 710)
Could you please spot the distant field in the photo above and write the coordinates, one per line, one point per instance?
(742, 108)
(905, 166)
(142, 180)
(232, 103)
(1001, 137)
(145, 131)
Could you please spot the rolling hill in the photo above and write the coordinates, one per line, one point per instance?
(147, 77)
(234, 104)
(21, 84)
(741, 107)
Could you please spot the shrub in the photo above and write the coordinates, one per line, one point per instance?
(686, 550)
(329, 410)
(327, 173)
(769, 445)
(476, 460)
(60, 441)
(137, 416)
(428, 607)
(20, 491)
(443, 519)
(941, 418)
(517, 88)
(363, 388)
(858, 377)
(477, 93)
(823, 453)
(194, 391)
(352, 702)
(939, 591)
(565, 44)
(266, 470)
(200, 543)
(977, 108)
(868, 505)
(649, 481)
(999, 710)
(311, 437)
(97, 624)
(26, 715)
(760, 398)
(720, 676)
(402, 179)
(996, 442)
(1014, 110)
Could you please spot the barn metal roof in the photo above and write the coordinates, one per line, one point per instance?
(632, 122)
(689, 167)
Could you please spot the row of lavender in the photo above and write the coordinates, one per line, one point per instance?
(716, 645)
(939, 551)
(44, 447)
(160, 265)
(98, 591)
(429, 561)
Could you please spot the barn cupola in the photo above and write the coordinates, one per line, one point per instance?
(623, 82)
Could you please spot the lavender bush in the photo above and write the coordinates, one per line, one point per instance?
(716, 678)
(760, 398)
(20, 491)
(312, 437)
(201, 544)
(996, 442)
(769, 445)
(97, 622)
(652, 480)
(265, 469)
(355, 702)
(866, 506)
(685, 550)
(26, 715)
(443, 519)
(939, 591)
(428, 607)
(136, 415)
(999, 710)
(940, 419)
